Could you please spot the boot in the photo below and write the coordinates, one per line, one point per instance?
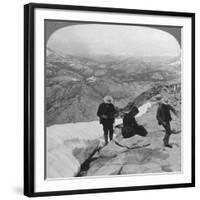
(168, 145)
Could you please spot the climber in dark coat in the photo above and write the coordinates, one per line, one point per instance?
(130, 126)
(106, 113)
(164, 117)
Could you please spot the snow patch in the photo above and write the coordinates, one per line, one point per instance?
(143, 109)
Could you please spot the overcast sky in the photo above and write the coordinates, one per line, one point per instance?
(114, 40)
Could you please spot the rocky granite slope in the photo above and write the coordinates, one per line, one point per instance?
(139, 155)
(74, 88)
(76, 149)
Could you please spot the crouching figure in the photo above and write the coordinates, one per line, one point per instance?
(130, 126)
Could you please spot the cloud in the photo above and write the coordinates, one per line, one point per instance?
(115, 40)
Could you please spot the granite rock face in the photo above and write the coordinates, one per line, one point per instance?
(140, 155)
(136, 160)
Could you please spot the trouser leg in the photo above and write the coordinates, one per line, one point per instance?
(167, 134)
(111, 132)
(105, 129)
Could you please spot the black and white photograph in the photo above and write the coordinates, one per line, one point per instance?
(109, 100)
(112, 99)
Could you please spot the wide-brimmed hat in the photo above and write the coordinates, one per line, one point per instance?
(165, 100)
(108, 99)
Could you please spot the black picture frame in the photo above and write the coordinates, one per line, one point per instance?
(29, 96)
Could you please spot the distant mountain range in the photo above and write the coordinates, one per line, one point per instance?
(75, 85)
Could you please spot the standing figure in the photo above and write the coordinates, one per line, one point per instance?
(130, 126)
(164, 117)
(106, 113)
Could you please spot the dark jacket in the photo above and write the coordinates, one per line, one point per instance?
(163, 113)
(109, 111)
